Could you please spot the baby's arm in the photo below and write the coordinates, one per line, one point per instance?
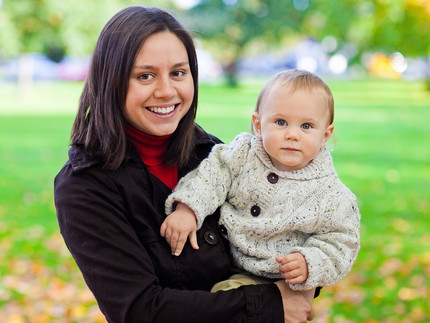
(204, 189)
(332, 249)
(294, 268)
(178, 226)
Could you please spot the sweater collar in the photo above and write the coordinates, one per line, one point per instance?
(320, 166)
(150, 148)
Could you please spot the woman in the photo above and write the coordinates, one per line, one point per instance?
(133, 137)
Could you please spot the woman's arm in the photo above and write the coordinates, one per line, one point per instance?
(124, 268)
(297, 305)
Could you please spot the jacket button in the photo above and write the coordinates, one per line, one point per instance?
(272, 178)
(255, 210)
(223, 230)
(211, 238)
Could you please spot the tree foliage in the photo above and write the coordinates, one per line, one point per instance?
(232, 26)
(57, 27)
(228, 28)
(389, 25)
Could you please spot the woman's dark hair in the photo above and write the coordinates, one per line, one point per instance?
(100, 122)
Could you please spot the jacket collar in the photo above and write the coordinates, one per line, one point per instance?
(80, 160)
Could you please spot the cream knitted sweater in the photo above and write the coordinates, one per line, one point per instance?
(267, 212)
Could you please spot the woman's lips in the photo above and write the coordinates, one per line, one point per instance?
(162, 110)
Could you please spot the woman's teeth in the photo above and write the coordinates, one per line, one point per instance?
(162, 110)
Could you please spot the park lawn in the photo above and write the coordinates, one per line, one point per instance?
(382, 131)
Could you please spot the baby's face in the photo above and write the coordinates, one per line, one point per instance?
(293, 126)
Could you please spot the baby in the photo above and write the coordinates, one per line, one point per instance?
(284, 210)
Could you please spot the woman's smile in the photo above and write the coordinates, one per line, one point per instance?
(163, 111)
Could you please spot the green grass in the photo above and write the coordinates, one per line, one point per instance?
(381, 152)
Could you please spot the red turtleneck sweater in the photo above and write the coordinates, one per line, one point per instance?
(151, 150)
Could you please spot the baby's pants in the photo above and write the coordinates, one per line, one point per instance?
(238, 280)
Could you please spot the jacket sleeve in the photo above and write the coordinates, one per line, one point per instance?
(206, 188)
(119, 270)
(332, 250)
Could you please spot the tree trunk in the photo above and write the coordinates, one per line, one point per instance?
(230, 72)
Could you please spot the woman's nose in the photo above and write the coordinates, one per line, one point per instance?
(164, 88)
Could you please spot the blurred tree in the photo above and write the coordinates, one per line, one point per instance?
(37, 25)
(56, 28)
(387, 26)
(339, 20)
(405, 29)
(9, 44)
(230, 26)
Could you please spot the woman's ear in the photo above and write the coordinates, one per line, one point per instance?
(328, 132)
(256, 123)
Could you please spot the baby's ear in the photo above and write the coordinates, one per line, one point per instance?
(256, 123)
(328, 132)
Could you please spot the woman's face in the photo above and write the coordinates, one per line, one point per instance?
(161, 88)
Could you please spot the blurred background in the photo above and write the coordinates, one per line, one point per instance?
(375, 56)
(52, 40)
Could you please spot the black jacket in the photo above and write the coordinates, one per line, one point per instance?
(110, 221)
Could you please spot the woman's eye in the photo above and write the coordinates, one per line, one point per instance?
(306, 126)
(145, 77)
(280, 122)
(178, 73)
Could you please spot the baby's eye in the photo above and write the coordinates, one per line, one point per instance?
(281, 122)
(306, 126)
(145, 76)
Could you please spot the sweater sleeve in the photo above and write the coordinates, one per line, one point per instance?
(120, 270)
(206, 188)
(332, 250)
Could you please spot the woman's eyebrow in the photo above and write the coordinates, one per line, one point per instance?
(150, 67)
(180, 64)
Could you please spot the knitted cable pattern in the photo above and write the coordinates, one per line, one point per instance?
(308, 211)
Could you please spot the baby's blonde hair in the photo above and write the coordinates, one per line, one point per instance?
(297, 80)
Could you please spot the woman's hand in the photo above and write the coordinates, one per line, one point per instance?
(178, 226)
(297, 304)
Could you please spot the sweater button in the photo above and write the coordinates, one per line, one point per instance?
(255, 210)
(272, 178)
(223, 230)
(211, 238)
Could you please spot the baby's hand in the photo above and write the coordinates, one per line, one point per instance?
(178, 226)
(294, 268)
